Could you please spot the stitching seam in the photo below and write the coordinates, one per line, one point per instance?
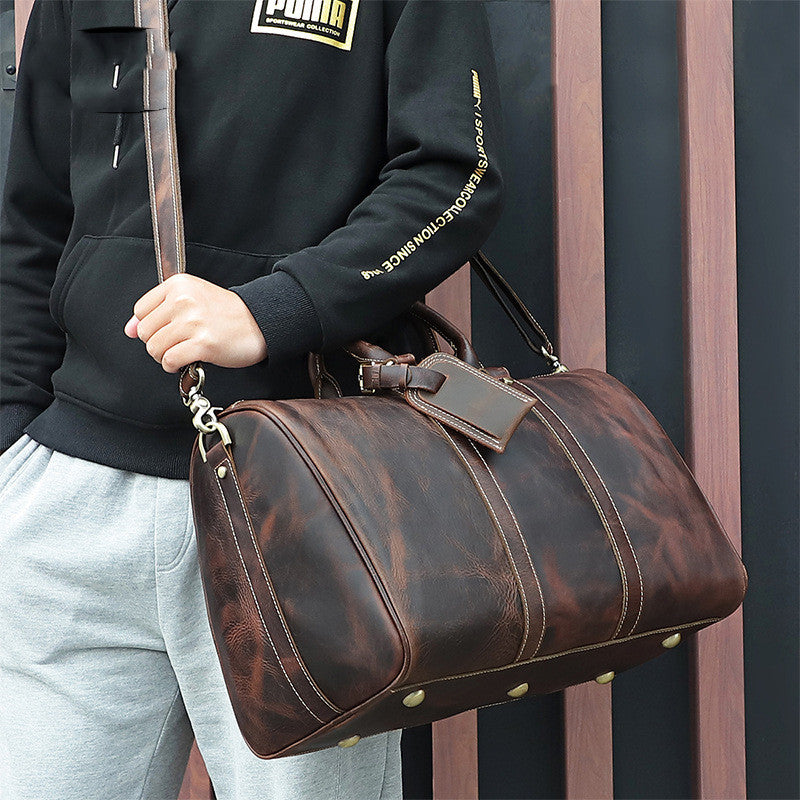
(503, 536)
(524, 544)
(258, 607)
(616, 511)
(323, 374)
(377, 579)
(178, 557)
(158, 741)
(150, 166)
(436, 357)
(454, 421)
(318, 381)
(215, 247)
(428, 334)
(603, 519)
(469, 430)
(169, 90)
(272, 594)
(436, 327)
(61, 300)
(18, 470)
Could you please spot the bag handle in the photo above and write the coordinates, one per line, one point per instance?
(427, 321)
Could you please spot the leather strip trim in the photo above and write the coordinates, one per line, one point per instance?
(151, 170)
(615, 516)
(532, 618)
(323, 375)
(600, 513)
(272, 594)
(258, 606)
(166, 208)
(524, 545)
(633, 589)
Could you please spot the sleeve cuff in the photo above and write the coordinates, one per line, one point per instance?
(285, 314)
(13, 418)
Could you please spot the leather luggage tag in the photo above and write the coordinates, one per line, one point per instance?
(480, 406)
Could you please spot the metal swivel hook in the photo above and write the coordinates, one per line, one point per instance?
(204, 416)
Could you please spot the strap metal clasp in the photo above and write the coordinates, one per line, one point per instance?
(554, 361)
(364, 389)
(204, 417)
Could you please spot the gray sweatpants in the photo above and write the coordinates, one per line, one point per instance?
(107, 665)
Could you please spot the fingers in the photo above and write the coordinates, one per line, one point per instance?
(176, 318)
(179, 355)
(148, 301)
(157, 319)
(175, 287)
(187, 319)
(162, 343)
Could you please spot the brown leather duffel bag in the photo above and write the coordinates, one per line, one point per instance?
(383, 561)
(452, 538)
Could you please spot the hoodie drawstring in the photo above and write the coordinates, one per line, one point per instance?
(118, 129)
(117, 140)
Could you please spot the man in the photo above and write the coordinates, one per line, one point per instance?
(338, 159)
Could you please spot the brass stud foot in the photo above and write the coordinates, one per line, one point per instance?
(222, 470)
(671, 641)
(606, 677)
(518, 691)
(414, 698)
(350, 741)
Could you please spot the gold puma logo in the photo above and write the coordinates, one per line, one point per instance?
(329, 21)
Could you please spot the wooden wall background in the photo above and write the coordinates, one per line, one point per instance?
(704, 61)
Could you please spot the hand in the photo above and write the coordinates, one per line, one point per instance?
(186, 318)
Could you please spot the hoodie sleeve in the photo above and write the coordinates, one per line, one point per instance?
(35, 220)
(439, 195)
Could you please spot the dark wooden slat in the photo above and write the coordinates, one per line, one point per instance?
(455, 740)
(705, 61)
(22, 10)
(578, 182)
(580, 312)
(196, 783)
(455, 757)
(452, 298)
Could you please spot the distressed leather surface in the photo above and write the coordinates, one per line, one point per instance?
(357, 550)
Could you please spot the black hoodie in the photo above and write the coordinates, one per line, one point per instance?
(338, 159)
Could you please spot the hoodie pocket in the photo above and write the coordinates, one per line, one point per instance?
(65, 271)
(109, 372)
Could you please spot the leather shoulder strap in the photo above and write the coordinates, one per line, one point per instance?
(160, 140)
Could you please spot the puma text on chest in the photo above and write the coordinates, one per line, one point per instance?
(328, 21)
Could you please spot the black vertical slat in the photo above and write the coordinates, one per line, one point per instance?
(644, 339)
(520, 745)
(767, 117)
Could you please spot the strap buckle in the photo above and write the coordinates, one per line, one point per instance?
(364, 389)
